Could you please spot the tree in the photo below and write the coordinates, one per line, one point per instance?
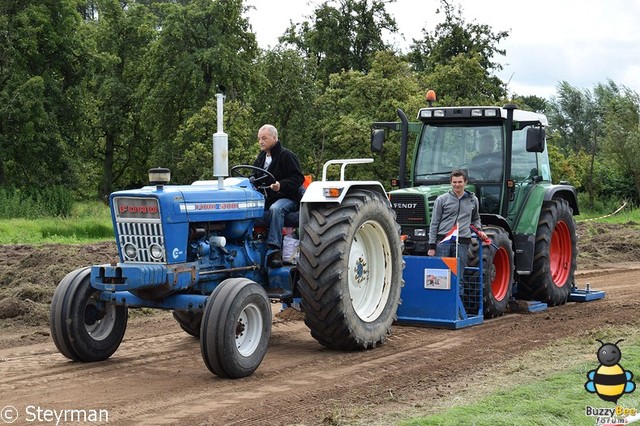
(463, 81)
(42, 52)
(455, 37)
(576, 120)
(352, 102)
(344, 37)
(201, 47)
(122, 36)
(453, 45)
(622, 135)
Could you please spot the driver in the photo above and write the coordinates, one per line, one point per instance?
(487, 164)
(282, 196)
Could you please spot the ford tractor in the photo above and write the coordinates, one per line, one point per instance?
(193, 249)
(527, 217)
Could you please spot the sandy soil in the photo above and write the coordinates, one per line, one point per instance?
(157, 376)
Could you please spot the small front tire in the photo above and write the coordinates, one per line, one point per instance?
(84, 328)
(235, 329)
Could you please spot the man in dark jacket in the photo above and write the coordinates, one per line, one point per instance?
(282, 196)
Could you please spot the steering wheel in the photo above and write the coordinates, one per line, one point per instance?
(488, 168)
(253, 179)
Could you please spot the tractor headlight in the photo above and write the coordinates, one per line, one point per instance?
(130, 251)
(419, 232)
(156, 251)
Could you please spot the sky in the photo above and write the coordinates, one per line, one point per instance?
(582, 42)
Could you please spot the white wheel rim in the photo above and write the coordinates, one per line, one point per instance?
(249, 330)
(101, 328)
(369, 271)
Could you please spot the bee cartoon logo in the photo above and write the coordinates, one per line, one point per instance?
(609, 381)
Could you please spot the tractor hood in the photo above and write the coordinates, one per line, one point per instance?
(162, 215)
(202, 201)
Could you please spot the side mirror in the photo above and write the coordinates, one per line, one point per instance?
(535, 139)
(377, 140)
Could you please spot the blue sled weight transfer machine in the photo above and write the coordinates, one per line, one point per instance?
(432, 296)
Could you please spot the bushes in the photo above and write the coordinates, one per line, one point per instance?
(54, 201)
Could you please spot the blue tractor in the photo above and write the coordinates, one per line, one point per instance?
(193, 249)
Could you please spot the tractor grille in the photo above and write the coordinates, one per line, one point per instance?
(139, 227)
(410, 209)
(142, 236)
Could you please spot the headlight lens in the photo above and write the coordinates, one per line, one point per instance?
(156, 251)
(130, 251)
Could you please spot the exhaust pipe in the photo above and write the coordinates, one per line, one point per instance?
(220, 146)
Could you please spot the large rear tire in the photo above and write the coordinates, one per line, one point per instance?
(351, 271)
(189, 322)
(82, 327)
(235, 329)
(554, 262)
(498, 270)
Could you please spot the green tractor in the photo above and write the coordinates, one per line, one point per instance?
(529, 219)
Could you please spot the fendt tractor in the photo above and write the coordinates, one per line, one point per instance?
(194, 249)
(529, 219)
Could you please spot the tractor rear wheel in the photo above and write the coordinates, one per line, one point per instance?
(235, 329)
(498, 270)
(351, 271)
(554, 262)
(189, 322)
(83, 327)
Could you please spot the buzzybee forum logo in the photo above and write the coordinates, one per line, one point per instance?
(609, 381)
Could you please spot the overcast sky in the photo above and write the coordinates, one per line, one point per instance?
(583, 42)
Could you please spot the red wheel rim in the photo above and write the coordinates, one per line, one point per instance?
(501, 274)
(560, 254)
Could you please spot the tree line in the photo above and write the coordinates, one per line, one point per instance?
(93, 93)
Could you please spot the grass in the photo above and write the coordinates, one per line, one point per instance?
(88, 222)
(547, 392)
(626, 215)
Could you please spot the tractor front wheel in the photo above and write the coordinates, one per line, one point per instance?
(554, 262)
(497, 269)
(235, 328)
(83, 327)
(351, 271)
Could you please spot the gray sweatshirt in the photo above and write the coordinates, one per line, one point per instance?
(448, 210)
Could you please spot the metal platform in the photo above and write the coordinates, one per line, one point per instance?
(586, 295)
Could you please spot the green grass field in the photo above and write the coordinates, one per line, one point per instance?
(88, 223)
(548, 392)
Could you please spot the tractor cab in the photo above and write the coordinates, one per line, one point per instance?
(503, 151)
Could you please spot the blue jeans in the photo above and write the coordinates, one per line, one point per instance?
(274, 219)
(448, 249)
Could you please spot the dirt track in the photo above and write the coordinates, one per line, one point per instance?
(157, 375)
